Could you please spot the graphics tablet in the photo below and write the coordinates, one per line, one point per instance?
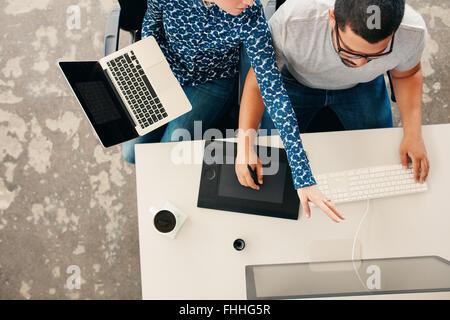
(221, 190)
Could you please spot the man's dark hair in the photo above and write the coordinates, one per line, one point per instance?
(354, 14)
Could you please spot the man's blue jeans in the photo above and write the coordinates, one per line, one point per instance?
(365, 106)
(210, 102)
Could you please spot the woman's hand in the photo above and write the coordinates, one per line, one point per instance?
(247, 156)
(313, 194)
(242, 172)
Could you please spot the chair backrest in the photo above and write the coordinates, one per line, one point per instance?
(279, 3)
(132, 14)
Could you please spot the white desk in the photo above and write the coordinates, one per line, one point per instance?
(201, 262)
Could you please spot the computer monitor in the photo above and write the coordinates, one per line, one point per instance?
(348, 278)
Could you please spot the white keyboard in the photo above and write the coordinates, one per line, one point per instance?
(368, 183)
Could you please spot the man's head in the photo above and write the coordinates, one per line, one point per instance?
(365, 26)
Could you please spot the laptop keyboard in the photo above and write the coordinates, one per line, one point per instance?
(137, 89)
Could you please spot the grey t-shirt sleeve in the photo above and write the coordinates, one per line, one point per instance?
(415, 55)
(277, 37)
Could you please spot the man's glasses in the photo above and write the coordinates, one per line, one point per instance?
(351, 55)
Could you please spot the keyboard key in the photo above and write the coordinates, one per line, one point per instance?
(149, 86)
(136, 88)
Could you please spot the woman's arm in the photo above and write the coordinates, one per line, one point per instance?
(258, 43)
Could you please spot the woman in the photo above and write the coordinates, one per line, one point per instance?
(201, 41)
(196, 39)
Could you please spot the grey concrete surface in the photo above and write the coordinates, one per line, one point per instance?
(64, 200)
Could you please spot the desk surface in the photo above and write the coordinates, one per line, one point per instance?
(201, 262)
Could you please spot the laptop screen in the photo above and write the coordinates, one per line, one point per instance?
(87, 80)
(99, 101)
(347, 278)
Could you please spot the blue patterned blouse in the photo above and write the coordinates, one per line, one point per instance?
(202, 44)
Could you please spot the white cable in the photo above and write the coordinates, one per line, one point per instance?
(354, 243)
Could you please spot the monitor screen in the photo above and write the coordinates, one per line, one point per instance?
(362, 277)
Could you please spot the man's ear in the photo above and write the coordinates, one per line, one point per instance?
(332, 18)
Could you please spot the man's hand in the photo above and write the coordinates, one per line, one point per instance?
(242, 173)
(414, 147)
(313, 194)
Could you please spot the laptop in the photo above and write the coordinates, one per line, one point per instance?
(128, 93)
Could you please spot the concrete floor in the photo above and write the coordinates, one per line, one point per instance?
(64, 200)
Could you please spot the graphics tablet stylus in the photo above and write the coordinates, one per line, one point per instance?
(253, 174)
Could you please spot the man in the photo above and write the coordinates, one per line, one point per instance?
(337, 59)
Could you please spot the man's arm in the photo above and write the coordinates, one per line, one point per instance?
(408, 92)
(250, 113)
(252, 107)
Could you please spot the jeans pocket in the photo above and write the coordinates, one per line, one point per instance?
(219, 88)
(286, 76)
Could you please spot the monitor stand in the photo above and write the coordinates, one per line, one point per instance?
(334, 250)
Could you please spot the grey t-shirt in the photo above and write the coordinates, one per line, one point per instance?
(302, 38)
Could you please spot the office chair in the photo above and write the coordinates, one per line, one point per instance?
(127, 17)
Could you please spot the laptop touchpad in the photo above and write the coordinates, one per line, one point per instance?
(161, 77)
